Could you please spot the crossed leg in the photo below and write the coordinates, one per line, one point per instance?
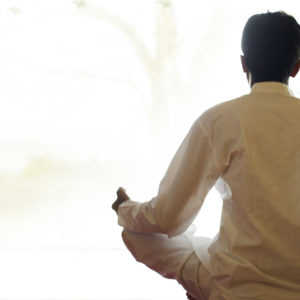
(172, 258)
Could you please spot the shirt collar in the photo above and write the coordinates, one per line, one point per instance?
(271, 87)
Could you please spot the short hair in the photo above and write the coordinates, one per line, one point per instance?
(271, 45)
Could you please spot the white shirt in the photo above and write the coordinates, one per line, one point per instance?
(250, 146)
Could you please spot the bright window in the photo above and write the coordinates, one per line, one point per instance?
(94, 95)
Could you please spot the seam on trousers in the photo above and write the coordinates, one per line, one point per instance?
(182, 266)
(198, 281)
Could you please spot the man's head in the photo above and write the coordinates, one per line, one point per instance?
(271, 47)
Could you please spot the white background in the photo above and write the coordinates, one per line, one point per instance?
(95, 95)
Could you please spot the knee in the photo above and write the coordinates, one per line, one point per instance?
(130, 243)
(128, 238)
(124, 235)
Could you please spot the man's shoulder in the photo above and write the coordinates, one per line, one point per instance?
(224, 109)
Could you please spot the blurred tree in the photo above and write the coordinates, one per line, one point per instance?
(161, 68)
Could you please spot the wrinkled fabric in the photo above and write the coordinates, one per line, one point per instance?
(250, 148)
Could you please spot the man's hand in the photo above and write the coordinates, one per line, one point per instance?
(122, 197)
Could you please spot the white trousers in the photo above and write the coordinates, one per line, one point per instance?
(172, 258)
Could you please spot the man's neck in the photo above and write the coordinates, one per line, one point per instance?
(252, 81)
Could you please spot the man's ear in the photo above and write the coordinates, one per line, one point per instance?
(295, 69)
(243, 61)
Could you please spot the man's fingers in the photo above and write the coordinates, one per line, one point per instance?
(120, 190)
(122, 197)
(115, 205)
(121, 193)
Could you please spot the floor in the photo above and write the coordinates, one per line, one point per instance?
(89, 274)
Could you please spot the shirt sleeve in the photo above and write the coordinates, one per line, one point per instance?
(190, 175)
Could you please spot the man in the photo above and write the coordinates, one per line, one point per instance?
(250, 148)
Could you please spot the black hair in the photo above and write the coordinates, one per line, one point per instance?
(271, 45)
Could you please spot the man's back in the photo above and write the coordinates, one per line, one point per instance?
(250, 148)
(256, 254)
